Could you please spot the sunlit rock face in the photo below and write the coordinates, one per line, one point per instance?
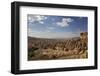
(84, 39)
(84, 36)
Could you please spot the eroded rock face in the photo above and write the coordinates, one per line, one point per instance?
(53, 49)
(84, 40)
(84, 37)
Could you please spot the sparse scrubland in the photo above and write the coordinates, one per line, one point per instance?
(48, 49)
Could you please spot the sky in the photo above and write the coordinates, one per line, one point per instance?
(51, 26)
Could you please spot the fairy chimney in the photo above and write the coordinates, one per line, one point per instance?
(83, 36)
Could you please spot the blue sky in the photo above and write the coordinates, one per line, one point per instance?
(49, 26)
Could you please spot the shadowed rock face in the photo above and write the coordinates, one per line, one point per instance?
(41, 49)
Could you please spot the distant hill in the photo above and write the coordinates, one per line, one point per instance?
(35, 38)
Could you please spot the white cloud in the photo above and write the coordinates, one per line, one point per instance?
(38, 18)
(64, 22)
(41, 22)
(30, 19)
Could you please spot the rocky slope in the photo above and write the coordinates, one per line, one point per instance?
(44, 49)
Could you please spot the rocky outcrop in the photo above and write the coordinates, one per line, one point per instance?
(56, 49)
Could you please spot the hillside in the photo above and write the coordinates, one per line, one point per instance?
(70, 48)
